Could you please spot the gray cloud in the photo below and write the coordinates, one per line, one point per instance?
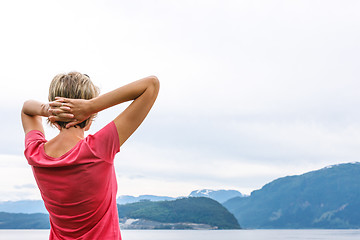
(271, 83)
(26, 186)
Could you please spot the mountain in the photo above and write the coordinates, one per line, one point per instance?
(219, 195)
(199, 210)
(24, 206)
(24, 221)
(326, 198)
(123, 199)
(37, 206)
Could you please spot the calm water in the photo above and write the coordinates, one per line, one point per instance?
(204, 234)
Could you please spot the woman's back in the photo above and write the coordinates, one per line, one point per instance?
(79, 188)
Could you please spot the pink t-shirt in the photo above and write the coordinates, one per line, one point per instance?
(79, 188)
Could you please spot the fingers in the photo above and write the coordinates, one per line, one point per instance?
(63, 117)
(61, 110)
(57, 126)
(61, 102)
(61, 105)
(58, 107)
(62, 99)
(71, 124)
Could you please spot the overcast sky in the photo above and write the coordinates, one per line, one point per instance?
(250, 90)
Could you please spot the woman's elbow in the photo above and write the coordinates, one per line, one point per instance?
(25, 106)
(155, 82)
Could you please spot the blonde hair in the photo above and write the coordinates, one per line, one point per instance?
(73, 85)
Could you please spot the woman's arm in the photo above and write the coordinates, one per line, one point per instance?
(31, 114)
(143, 92)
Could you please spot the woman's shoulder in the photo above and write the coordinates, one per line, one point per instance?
(105, 142)
(109, 130)
(34, 135)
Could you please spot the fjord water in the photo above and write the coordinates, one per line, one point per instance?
(204, 234)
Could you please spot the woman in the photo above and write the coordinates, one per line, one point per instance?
(76, 175)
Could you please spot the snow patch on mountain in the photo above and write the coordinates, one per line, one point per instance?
(218, 195)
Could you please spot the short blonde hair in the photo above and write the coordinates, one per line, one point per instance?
(73, 85)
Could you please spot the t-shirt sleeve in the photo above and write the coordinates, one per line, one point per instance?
(105, 143)
(33, 140)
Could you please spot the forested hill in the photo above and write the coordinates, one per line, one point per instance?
(327, 198)
(199, 210)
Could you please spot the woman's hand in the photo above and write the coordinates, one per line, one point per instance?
(73, 111)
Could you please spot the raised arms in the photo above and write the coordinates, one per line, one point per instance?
(144, 93)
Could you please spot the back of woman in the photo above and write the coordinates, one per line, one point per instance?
(76, 175)
(79, 188)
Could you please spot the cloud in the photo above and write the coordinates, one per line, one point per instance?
(17, 179)
(190, 169)
(248, 89)
(26, 186)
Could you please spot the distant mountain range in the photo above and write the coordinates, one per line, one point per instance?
(124, 199)
(37, 206)
(327, 198)
(23, 206)
(218, 195)
(185, 213)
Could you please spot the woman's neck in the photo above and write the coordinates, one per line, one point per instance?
(64, 141)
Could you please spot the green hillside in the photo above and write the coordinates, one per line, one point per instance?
(192, 210)
(327, 198)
